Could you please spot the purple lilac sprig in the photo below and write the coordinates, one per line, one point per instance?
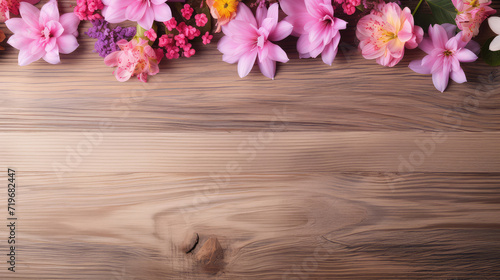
(107, 38)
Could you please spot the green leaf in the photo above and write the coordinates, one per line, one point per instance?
(491, 58)
(443, 11)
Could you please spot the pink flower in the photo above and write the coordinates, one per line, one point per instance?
(12, 6)
(349, 6)
(87, 9)
(207, 38)
(135, 58)
(170, 24)
(445, 51)
(471, 13)
(187, 11)
(151, 34)
(144, 12)
(201, 20)
(248, 37)
(317, 28)
(43, 34)
(384, 34)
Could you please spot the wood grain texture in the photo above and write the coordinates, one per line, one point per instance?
(353, 171)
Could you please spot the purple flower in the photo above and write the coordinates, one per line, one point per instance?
(107, 38)
(445, 51)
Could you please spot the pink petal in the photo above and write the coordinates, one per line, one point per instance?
(277, 53)
(70, 23)
(438, 36)
(458, 76)
(273, 12)
(245, 14)
(52, 57)
(49, 12)
(147, 20)
(162, 12)
(473, 46)
(136, 11)
(122, 75)
(16, 25)
(283, 29)
(406, 32)
(114, 15)
(440, 79)
(450, 29)
(268, 68)
(291, 7)
(314, 9)
(416, 65)
(426, 45)
(303, 44)
(19, 41)
(158, 2)
(26, 56)
(465, 55)
(30, 14)
(261, 14)
(328, 55)
(67, 44)
(246, 63)
(112, 59)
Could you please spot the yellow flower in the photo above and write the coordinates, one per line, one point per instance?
(223, 10)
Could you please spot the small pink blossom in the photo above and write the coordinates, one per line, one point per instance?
(318, 30)
(187, 11)
(136, 57)
(151, 34)
(207, 38)
(385, 33)
(248, 37)
(88, 9)
(201, 20)
(471, 13)
(144, 12)
(12, 6)
(445, 51)
(43, 33)
(349, 6)
(171, 24)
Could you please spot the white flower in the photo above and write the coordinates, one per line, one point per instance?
(494, 23)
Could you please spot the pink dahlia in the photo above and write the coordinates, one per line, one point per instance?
(445, 51)
(144, 12)
(12, 6)
(385, 33)
(318, 30)
(471, 13)
(136, 57)
(43, 34)
(248, 37)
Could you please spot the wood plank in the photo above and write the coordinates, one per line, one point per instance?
(296, 226)
(61, 154)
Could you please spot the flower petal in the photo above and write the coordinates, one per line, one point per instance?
(67, 44)
(276, 53)
(283, 29)
(30, 14)
(162, 12)
(70, 23)
(438, 36)
(495, 44)
(330, 51)
(440, 79)
(49, 12)
(246, 63)
(419, 67)
(466, 55)
(268, 68)
(458, 76)
(147, 20)
(52, 57)
(494, 23)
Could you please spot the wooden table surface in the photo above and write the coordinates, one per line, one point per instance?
(353, 171)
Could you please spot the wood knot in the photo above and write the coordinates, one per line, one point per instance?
(211, 256)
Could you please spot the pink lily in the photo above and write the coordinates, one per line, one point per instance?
(445, 51)
(248, 37)
(43, 34)
(470, 15)
(144, 12)
(315, 25)
(12, 6)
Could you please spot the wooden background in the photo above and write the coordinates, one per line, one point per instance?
(353, 171)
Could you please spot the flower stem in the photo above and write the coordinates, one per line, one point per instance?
(416, 8)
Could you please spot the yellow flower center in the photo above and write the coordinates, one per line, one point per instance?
(225, 7)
